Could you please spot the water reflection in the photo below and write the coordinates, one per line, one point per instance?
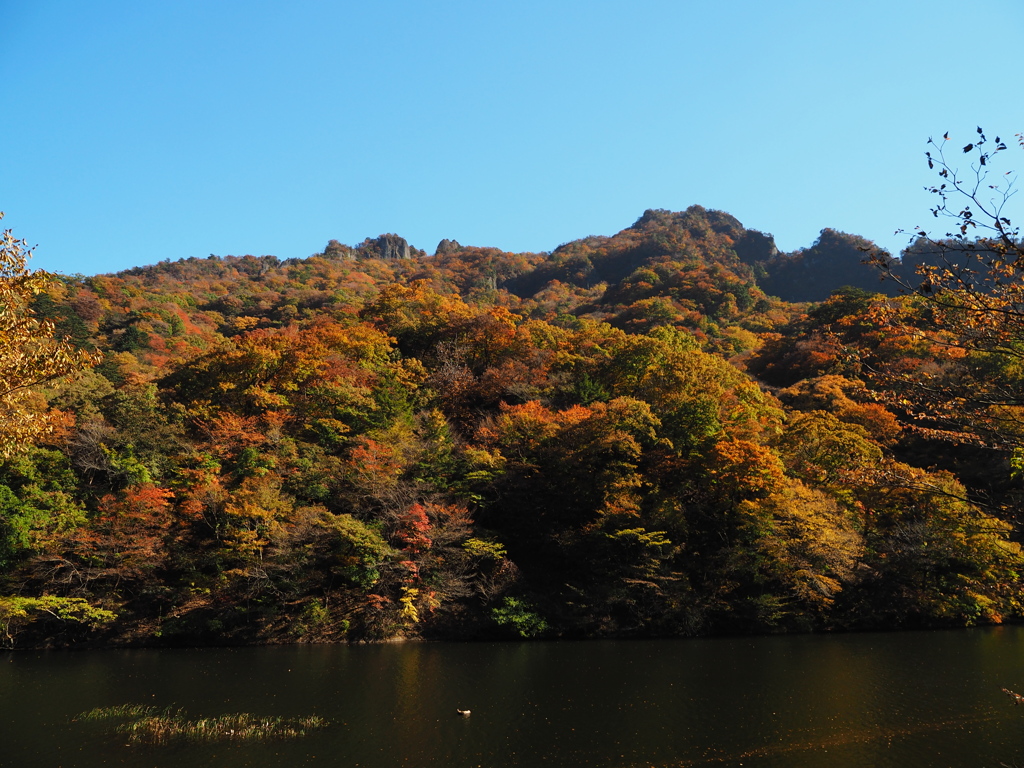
(911, 699)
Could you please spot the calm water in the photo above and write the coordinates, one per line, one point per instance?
(912, 699)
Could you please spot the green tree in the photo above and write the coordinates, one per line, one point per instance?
(18, 612)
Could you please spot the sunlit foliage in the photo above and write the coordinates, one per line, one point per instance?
(626, 436)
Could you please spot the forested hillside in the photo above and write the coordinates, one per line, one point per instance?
(631, 435)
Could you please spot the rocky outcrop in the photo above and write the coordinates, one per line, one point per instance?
(392, 246)
(338, 250)
(447, 246)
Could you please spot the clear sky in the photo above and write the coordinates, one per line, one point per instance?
(140, 131)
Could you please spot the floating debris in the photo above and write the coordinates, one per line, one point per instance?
(1017, 698)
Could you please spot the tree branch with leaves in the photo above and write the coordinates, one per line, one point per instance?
(30, 356)
(965, 303)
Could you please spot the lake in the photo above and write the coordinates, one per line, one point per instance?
(926, 699)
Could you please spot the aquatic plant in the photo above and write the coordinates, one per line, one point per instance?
(121, 711)
(155, 725)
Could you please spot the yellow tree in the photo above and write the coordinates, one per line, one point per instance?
(30, 356)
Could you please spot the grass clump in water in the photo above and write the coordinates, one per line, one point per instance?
(153, 725)
(120, 712)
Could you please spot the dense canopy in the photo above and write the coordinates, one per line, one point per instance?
(631, 435)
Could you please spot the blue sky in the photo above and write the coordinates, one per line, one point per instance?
(137, 132)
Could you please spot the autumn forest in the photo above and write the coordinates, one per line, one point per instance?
(674, 430)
